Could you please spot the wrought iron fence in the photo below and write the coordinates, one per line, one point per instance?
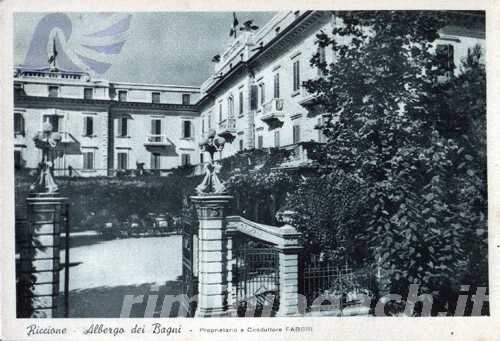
(256, 278)
(328, 279)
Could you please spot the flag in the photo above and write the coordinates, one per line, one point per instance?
(52, 58)
(232, 32)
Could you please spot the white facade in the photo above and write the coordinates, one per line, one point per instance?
(276, 60)
(105, 126)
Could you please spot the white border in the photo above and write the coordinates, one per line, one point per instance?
(325, 328)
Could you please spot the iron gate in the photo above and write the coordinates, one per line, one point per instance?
(190, 266)
(256, 278)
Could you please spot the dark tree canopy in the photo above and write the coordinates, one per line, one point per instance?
(403, 127)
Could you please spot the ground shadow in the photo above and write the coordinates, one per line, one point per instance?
(106, 302)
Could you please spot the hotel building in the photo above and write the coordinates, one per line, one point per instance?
(254, 98)
(106, 127)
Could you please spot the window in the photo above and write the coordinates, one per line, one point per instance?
(155, 97)
(53, 91)
(277, 139)
(201, 157)
(88, 160)
(122, 127)
(185, 159)
(18, 159)
(296, 75)
(122, 96)
(53, 120)
(230, 106)
(18, 124)
(203, 125)
(276, 85)
(88, 93)
(122, 160)
(262, 90)
(296, 134)
(241, 144)
(209, 120)
(156, 130)
(155, 161)
(260, 142)
(445, 57)
(220, 112)
(186, 99)
(253, 97)
(241, 103)
(88, 126)
(186, 129)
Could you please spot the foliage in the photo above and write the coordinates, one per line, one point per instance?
(462, 116)
(96, 201)
(259, 193)
(325, 211)
(385, 132)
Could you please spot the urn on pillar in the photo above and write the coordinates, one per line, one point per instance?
(211, 205)
(47, 214)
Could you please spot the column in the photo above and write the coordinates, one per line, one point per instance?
(289, 280)
(213, 255)
(41, 260)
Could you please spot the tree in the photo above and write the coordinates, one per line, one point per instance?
(384, 132)
(461, 108)
(324, 211)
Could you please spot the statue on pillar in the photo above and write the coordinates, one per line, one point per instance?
(47, 141)
(211, 184)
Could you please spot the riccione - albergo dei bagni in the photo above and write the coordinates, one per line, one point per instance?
(254, 98)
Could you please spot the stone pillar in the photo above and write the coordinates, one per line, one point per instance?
(230, 262)
(41, 259)
(289, 280)
(213, 249)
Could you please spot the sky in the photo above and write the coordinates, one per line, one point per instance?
(158, 48)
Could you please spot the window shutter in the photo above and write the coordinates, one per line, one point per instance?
(124, 126)
(158, 127)
(119, 127)
(84, 125)
(253, 97)
(277, 85)
(90, 126)
(241, 103)
(191, 125)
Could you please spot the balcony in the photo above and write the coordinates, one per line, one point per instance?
(273, 111)
(307, 99)
(227, 129)
(157, 140)
(301, 156)
(66, 137)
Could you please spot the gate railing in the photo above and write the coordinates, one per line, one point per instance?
(326, 279)
(265, 269)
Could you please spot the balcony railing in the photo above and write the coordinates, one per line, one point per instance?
(228, 125)
(227, 129)
(273, 110)
(307, 99)
(157, 140)
(66, 137)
